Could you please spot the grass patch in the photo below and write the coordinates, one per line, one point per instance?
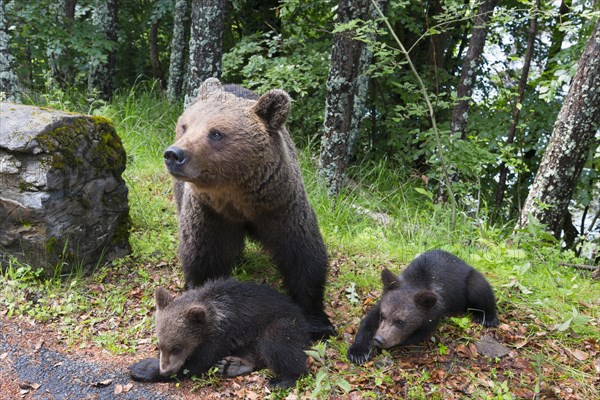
(549, 313)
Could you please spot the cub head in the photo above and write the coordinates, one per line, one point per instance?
(223, 138)
(403, 310)
(181, 327)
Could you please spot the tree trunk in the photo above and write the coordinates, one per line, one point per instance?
(470, 64)
(177, 61)
(347, 90)
(558, 35)
(59, 54)
(516, 112)
(572, 139)
(154, 59)
(102, 71)
(9, 90)
(206, 44)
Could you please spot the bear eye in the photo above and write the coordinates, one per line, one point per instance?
(215, 135)
(184, 127)
(399, 323)
(176, 350)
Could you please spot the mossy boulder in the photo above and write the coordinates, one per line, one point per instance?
(63, 202)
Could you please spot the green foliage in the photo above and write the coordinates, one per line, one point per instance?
(386, 219)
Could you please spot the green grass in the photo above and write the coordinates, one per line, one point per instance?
(548, 309)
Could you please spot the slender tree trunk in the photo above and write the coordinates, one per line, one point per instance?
(558, 35)
(102, 71)
(347, 90)
(516, 112)
(468, 73)
(573, 136)
(178, 45)
(9, 90)
(58, 54)
(206, 44)
(154, 59)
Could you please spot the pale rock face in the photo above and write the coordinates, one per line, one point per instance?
(62, 199)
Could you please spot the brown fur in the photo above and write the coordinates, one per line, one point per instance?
(237, 326)
(434, 285)
(237, 173)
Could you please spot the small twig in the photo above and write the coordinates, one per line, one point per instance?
(580, 266)
(431, 113)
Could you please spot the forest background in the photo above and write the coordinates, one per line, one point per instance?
(419, 124)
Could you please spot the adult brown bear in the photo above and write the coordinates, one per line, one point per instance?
(237, 174)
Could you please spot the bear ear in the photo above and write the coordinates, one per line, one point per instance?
(196, 314)
(426, 299)
(389, 280)
(163, 298)
(209, 87)
(273, 108)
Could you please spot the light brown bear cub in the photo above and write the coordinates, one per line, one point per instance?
(237, 174)
(237, 326)
(434, 285)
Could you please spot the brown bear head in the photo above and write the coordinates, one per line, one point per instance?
(224, 140)
(403, 311)
(182, 325)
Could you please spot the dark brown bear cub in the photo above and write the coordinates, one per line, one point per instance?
(237, 174)
(237, 326)
(434, 285)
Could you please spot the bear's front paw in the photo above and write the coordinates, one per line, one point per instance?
(360, 354)
(282, 383)
(146, 370)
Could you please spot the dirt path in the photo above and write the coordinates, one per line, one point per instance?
(32, 366)
(35, 364)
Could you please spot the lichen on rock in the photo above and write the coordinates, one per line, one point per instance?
(63, 201)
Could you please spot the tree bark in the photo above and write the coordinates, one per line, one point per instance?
(558, 35)
(154, 59)
(9, 90)
(178, 45)
(573, 136)
(205, 45)
(59, 55)
(469, 67)
(347, 90)
(516, 112)
(102, 71)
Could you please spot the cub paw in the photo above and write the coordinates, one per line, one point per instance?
(282, 383)
(146, 370)
(234, 366)
(361, 354)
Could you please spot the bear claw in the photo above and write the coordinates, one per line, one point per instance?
(359, 355)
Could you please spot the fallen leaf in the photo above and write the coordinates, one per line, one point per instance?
(489, 347)
(580, 355)
(118, 389)
(38, 346)
(127, 387)
(103, 383)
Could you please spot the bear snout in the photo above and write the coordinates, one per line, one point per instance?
(378, 341)
(175, 158)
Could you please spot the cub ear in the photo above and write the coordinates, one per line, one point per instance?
(162, 297)
(196, 314)
(273, 108)
(389, 280)
(426, 299)
(209, 87)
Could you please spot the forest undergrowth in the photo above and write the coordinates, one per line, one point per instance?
(549, 318)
